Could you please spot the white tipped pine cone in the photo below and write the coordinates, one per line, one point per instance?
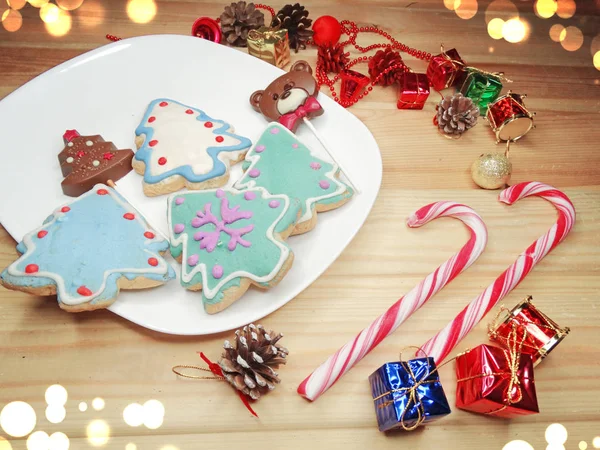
(456, 114)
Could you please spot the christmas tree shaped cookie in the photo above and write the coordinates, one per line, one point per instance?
(87, 250)
(88, 160)
(180, 146)
(282, 164)
(227, 240)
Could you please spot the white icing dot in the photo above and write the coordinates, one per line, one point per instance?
(70, 144)
(89, 143)
(70, 159)
(95, 163)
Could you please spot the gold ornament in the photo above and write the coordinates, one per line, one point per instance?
(492, 170)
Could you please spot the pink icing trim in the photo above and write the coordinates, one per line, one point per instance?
(196, 222)
(273, 203)
(179, 200)
(217, 271)
(178, 228)
(274, 130)
(249, 195)
(324, 184)
(315, 165)
(220, 193)
(294, 145)
(259, 148)
(193, 260)
(254, 173)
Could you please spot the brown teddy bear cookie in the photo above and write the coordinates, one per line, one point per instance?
(289, 98)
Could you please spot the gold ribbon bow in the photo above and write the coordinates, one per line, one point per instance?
(271, 34)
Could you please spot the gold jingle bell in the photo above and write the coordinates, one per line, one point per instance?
(492, 170)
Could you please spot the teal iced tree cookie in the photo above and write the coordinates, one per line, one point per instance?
(227, 240)
(282, 164)
(87, 250)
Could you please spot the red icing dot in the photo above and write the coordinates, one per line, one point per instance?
(189, 111)
(82, 290)
(151, 119)
(162, 160)
(107, 156)
(153, 142)
(31, 268)
(153, 262)
(163, 104)
(101, 192)
(208, 124)
(219, 139)
(42, 234)
(149, 234)
(129, 216)
(80, 153)
(65, 209)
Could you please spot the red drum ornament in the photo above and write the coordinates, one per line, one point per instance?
(542, 334)
(413, 91)
(509, 118)
(207, 28)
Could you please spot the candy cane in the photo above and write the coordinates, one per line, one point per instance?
(351, 353)
(442, 343)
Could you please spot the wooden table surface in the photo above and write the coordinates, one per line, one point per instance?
(99, 355)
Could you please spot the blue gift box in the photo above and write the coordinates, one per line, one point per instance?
(407, 394)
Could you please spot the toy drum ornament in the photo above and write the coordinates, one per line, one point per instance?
(542, 334)
(509, 118)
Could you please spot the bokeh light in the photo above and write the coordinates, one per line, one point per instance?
(517, 445)
(555, 447)
(61, 26)
(83, 407)
(555, 32)
(56, 395)
(133, 415)
(16, 4)
(465, 9)
(565, 9)
(495, 28)
(4, 444)
(571, 39)
(98, 433)
(169, 447)
(12, 20)
(545, 8)
(38, 441)
(504, 9)
(596, 442)
(153, 414)
(69, 5)
(91, 14)
(514, 30)
(38, 3)
(141, 11)
(98, 404)
(582, 445)
(131, 446)
(55, 413)
(49, 13)
(556, 433)
(17, 419)
(596, 60)
(449, 4)
(59, 441)
(491, 49)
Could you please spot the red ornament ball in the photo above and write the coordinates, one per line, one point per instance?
(327, 30)
(207, 28)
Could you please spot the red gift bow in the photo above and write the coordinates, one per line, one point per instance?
(216, 369)
(289, 120)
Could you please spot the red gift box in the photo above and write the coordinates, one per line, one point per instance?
(444, 69)
(496, 381)
(413, 91)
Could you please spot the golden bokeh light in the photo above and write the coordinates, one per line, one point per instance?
(59, 441)
(69, 5)
(56, 394)
(83, 407)
(61, 26)
(141, 11)
(98, 433)
(514, 30)
(565, 9)
(555, 447)
(12, 20)
(449, 4)
(582, 445)
(495, 28)
(465, 9)
(517, 445)
(595, 45)
(596, 60)
(16, 4)
(153, 414)
(98, 404)
(38, 441)
(556, 433)
(491, 49)
(133, 415)
(555, 32)
(38, 3)
(545, 8)
(91, 14)
(17, 419)
(571, 39)
(55, 413)
(596, 442)
(4, 444)
(49, 13)
(504, 9)
(131, 446)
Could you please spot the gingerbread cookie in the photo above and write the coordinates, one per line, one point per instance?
(227, 240)
(282, 164)
(180, 146)
(88, 160)
(87, 250)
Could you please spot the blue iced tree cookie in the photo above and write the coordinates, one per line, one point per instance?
(282, 164)
(87, 250)
(181, 146)
(227, 240)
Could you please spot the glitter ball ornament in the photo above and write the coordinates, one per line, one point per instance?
(491, 171)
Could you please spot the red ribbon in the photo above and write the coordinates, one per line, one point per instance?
(289, 120)
(216, 369)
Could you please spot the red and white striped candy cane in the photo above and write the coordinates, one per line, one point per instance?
(444, 342)
(351, 353)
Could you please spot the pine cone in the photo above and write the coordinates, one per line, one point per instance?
(456, 114)
(237, 20)
(294, 18)
(381, 61)
(332, 59)
(248, 366)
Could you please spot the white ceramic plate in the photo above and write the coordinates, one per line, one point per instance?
(105, 92)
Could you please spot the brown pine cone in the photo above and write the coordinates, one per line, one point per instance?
(248, 365)
(294, 18)
(456, 114)
(332, 59)
(237, 20)
(381, 61)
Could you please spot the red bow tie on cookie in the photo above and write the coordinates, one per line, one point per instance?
(289, 120)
